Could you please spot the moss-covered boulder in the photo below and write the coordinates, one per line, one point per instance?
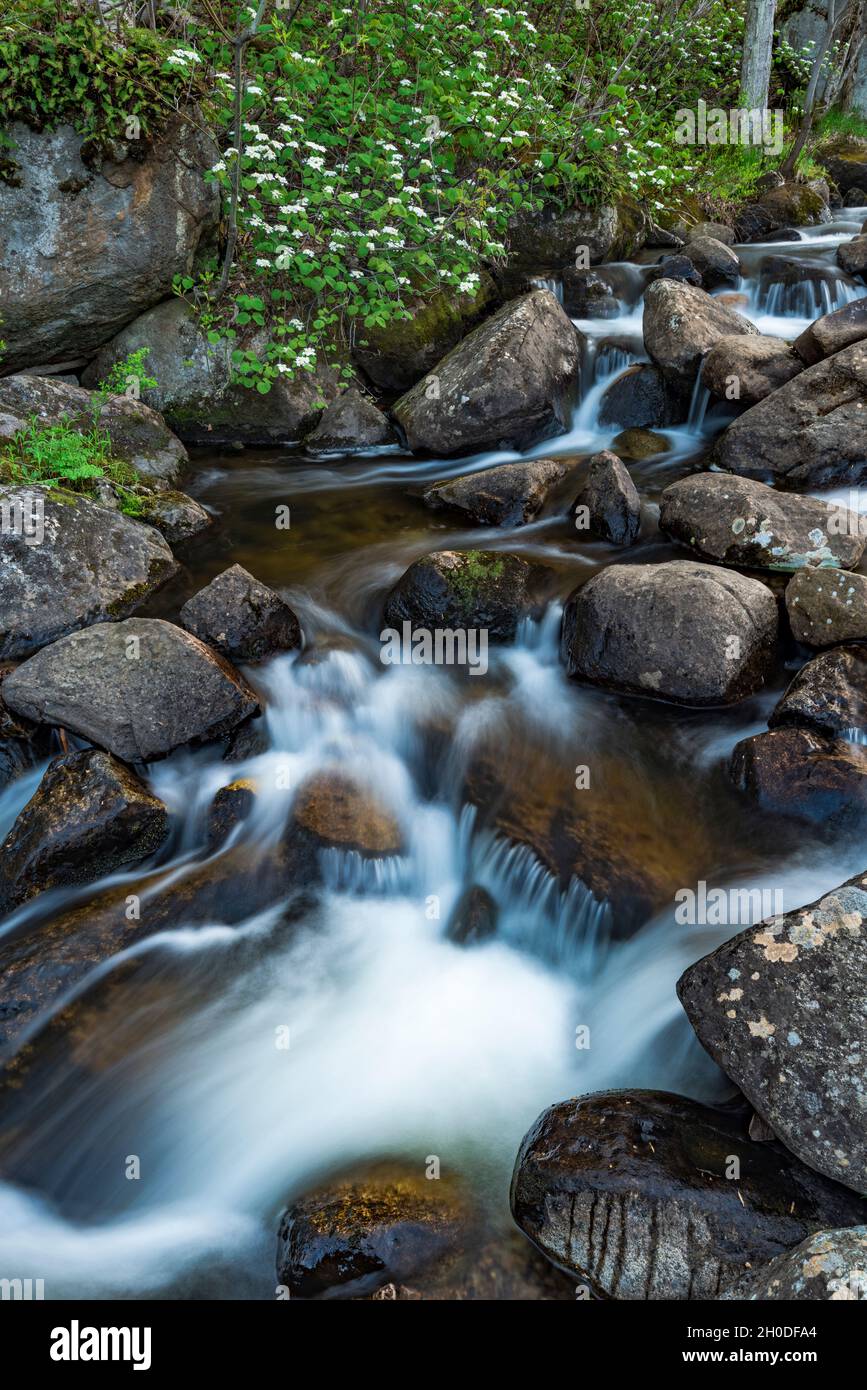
(449, 589)
(551, 239)
(791, 205)
(845, 158)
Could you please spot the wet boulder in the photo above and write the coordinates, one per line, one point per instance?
(776, 1009)
(177, 517)
(833, 332)
(690, 633)
(638, 444)
(473, 918)
(65, 562)
(507, 384)
(22, 745)
(608, 505)
(333, 811)
(799, 773)
(449, 589)
(681, 324)
(852, 256)
(641, 398)
(138, 688)
(788, 205)
(241, 618)
(588, 295)
(230, 807)
(741, 522)
(552, 239)
(89, 816)
(350, 423)
(829, 694)
(647, 1195)
(807, 434)
(826, 609)
(508, 495)
(679, 268)
(830, 1265)
(715, 262)
(745, 370)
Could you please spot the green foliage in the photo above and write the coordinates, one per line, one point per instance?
(130, 371)
(64, 455)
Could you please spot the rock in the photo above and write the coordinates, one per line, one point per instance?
(716, 231)
(88, 249)
(176, 516)
(641, 398)
(776, 1009)
(249, 740)
(551, 240)
(855, 198)
(852, 256)
(676, 268)
(139, 436)
(22, 745)
(229, 808)
(790, 205)
(833, 332)
(506, 1268)
(506, 383)
(397, 355)
(826, 609)
(473, 918)
(796, 772)
(845, 158)
(334, 812)
(753, 366)
(829, 694)
(785, 273)
(681, 324)
(741, 522)
(830, 1265)
(694, 634)
(241, 618)
(350, 423)
(658, 236)
(610, 500)
(89, 816)
(586, 295)
(631, 1190)
(91, 565)
(508, 495)
(715, 262)
(194, 391)
(138, 688)
(808, 433)
(449, 589)
(640, 444)
(351, 1237)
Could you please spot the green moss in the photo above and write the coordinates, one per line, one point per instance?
(477, 568)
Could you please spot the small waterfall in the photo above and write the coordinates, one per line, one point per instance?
(698, 406)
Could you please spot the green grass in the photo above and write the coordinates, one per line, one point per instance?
(841, 123)
(63, 455)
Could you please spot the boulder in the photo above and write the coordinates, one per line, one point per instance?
(86, 249)
(398, 354)
(507, 383)
(675, 268)
(750, 367)
(332, 811)
(694, 634)
(826, 609)
(833, 332)
(799, 773)
(608, 505)
(845, 158)
(503, 1269)
(551, 240)
(717, 231)
(194, 390)
(139, 436)
(241, 618)
(829, 694)
(138, 688)
(640, 444)
(776, 1009)
(473, 918)
(230, 807)
(90, 565)
(659, 236)
(807, 434)
(715, 262)
(449, 589)
(741, 522)
(830, 1265)
(681, 324)
(638, 1193)
(22, 745)
(852, 256)
(350, 423)
(89, 816)
(587, 295)
(789, 205)
(177, 517)
(641, 398)
(508, 495)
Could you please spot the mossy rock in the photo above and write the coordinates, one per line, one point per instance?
(845, 158)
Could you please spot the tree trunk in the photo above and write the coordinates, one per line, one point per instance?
(758, 43)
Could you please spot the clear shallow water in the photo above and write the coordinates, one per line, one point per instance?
(400, 1042)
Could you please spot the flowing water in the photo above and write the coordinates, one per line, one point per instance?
(400, 1042)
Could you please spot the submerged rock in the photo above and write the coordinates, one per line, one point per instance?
(826, 609)
(89, 816)
(829, 694)
(640, 444)
(241, 618)
(473, 918)
(349, 423)
(833, 332)
(610, 501)
(641, 398)
(507, 383)
(647, 1195)
(449, 589)
(333, 811)
(681, 324)
(742, 522)
(797, 772)
(691, 633)
(230, 807)
(776, 1009)
(508, 495)
(745, 370)
(138, 688)
(65, 562)
(831, 1265)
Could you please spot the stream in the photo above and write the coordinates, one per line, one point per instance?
(400, 1042)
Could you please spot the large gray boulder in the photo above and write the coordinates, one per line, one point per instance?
(85, 250)
(66, 562)
(833, 332)
(552, 240)
(681, 324)
(852, 256)
(777, 1008)
(648, 1195)
(830, 1265)
(508, 495)
(809, 433)
(694, 634)
(507, 383)
(350, 423)
(741, 522)
(715, 262)
(827, 609)
(139, 689)
(745, 369)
